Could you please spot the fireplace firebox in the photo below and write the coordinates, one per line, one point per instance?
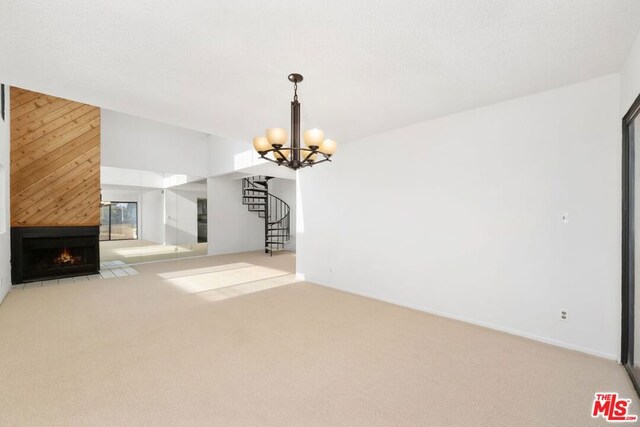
(42, 253)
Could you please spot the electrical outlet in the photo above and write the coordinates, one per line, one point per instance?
(330, 270)
(564, 315)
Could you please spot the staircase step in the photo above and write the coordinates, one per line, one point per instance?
(257, 190)
(254, 204)
(269, 242)
(254, 197)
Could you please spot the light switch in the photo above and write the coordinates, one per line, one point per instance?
(565, 218)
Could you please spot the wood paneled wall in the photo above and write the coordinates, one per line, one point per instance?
(55, 161)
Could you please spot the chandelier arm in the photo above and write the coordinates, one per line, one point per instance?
(271, 160)
(304, 165)
(262, 153)
(307, 158)
(277, 150)
(293, 165)
(318, 162)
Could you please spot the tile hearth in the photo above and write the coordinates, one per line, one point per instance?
(108, 270)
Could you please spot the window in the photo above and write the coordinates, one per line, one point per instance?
(119, 221)
(630, 354)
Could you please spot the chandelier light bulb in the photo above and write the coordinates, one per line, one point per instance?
(313, 137)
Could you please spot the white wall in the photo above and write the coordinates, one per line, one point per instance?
(131, 177)
(5, 224)
(630, 77)
(135, 143)
(462, 216)
(152, 216)
(228, 156)
(231, 227)
(119, 195)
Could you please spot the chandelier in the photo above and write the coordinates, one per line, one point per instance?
(295, 156)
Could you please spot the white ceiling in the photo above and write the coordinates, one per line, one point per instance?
(221, 67)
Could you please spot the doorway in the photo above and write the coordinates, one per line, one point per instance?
(630, 352)
(118, 220)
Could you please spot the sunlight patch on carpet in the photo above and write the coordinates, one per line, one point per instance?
(247, 288)
(197, 283)
(196, 271)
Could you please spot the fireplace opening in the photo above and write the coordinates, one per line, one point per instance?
(43, 260)
(41, 253)
(67, 257)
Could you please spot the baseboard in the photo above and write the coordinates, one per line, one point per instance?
(4, 290)
(533, 337)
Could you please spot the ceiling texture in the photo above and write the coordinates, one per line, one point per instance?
(221, 67)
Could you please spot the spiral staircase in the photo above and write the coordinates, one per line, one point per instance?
(276, 213)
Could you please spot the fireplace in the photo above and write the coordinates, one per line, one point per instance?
(42, 253)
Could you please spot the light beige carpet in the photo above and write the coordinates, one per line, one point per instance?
(231, 340)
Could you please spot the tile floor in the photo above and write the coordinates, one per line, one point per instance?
(108, 270)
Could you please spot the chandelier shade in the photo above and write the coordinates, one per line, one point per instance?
(295, 156)
(328, 146)
(313, 137)
(261, 143)
(277, 136)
